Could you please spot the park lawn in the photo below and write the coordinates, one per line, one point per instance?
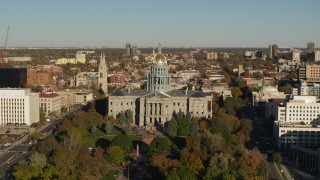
(111, 175)
(98, 133)
(91, 141)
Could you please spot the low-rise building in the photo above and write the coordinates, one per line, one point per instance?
(268, 92)
(83, 96)
(68, 99)
(84, 79)
(39, 78)
(117, 78)
(50, 103)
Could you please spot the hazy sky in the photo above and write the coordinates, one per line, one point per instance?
(213, 23)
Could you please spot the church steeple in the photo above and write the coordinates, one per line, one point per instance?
(103, 76)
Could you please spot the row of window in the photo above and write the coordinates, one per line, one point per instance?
(305, 107)
(9, 100)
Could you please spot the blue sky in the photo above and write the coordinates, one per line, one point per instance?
(205, 23)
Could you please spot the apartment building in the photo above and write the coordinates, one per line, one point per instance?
(309, 73)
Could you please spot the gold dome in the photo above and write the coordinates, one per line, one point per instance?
(159, 58)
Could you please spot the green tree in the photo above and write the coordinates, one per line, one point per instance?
(25, 171)
(183, 128)
(172, 127)
(160, 145)
(220, 162)
(129, 116)
(232, 104)
(122, 118)
(236, 92)
(115, 155)
(277, 157)
(42, 115)
(194, 127)
(38, 160)
(93, 129)
(124, 142)
(108, 127)
(64, 160)
(51, 172)
(128, 129)
(182, 172)
(189, 116)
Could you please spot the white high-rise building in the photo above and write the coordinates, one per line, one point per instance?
(316, 56)
(18, 106)
(295, 55)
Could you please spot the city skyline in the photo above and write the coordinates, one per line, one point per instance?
(175, 24)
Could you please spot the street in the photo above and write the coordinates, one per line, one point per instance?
(265, 148)
(20, 150)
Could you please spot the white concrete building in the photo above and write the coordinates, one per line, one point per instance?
(297, 122)
(287, 134)
(83, 97)
(266, 93)
(309, 89)
(295, 55)
(212, 55)
(316, 56)
(18, 106)
(50, 103)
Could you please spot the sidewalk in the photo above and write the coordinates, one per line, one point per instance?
(286, 172)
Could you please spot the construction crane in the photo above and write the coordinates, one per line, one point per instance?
(3, 53)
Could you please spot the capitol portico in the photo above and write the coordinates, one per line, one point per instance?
(156, 104)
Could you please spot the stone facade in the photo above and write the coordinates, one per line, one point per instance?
(156, 104)
(103, 76)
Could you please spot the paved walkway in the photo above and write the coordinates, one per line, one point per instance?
(286, 172)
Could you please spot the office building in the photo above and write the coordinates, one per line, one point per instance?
(50, 103)
(13, 77)
(273, 51)
(128, 49)
(310, 47)
(39, 78)
(154, 106)
(316, 56)
(212, 55)
(297, 122)
(311, 89)
(309, 73)
(295, 55)
(18, 106)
